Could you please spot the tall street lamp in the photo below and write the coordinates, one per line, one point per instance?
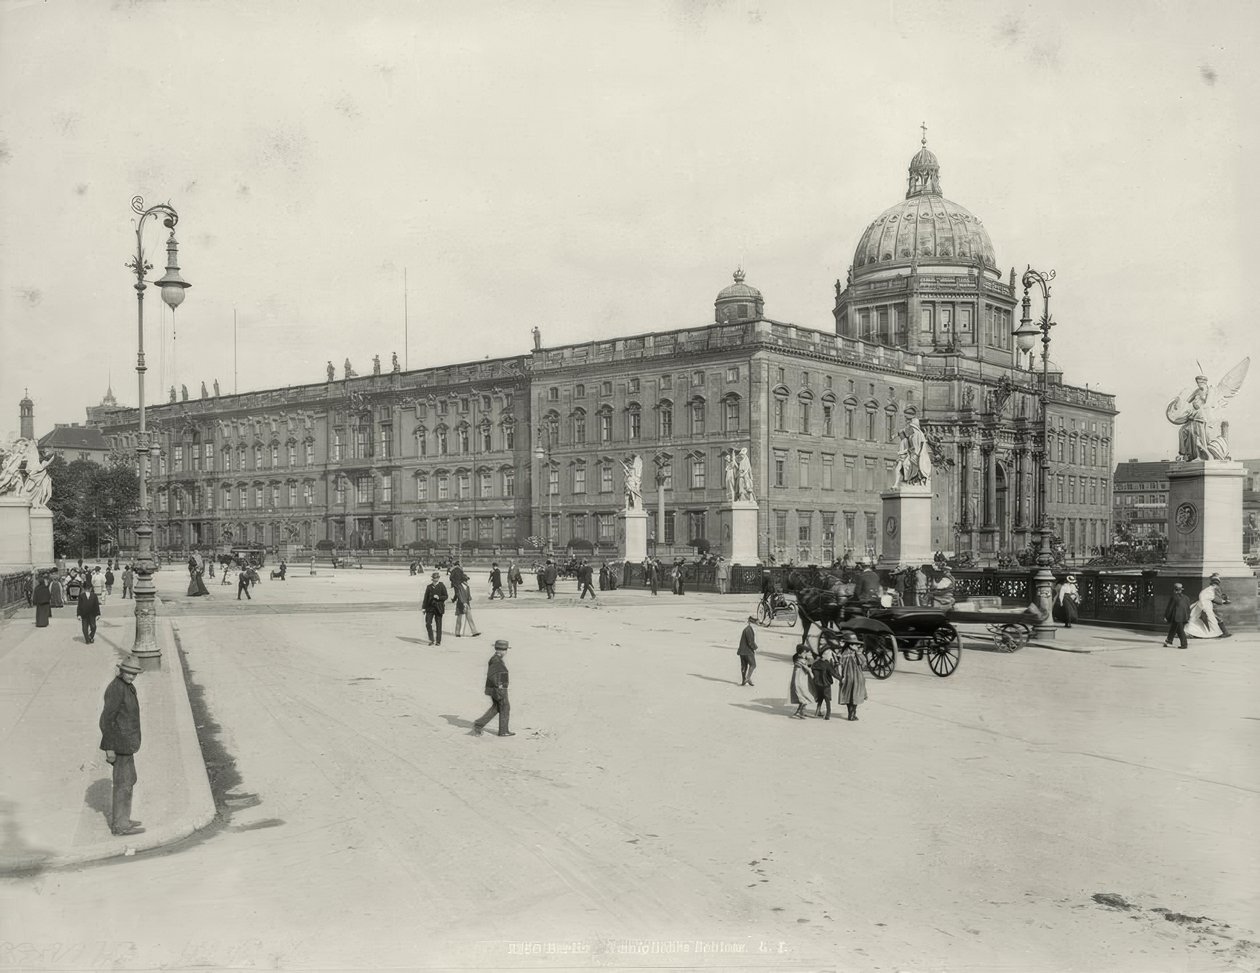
(542, 453)
(1026, 339)
(172, 287)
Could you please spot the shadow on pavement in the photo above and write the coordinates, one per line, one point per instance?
(100, 797)
(729, 682)
(457, 721)
(406, 638)
(778, 706)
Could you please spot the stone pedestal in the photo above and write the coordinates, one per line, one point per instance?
(26, 535)
(906, 531)
(634, 529)
(743, 514)
(1205, 518)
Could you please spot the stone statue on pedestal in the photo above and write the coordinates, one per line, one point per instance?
(914, 461)
(633, 467)
(1202, 435)
(744, 476)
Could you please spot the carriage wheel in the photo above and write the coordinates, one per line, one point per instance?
(1012, 636)
(763, 616)
(790, 614)
(881, 655)
(944, 651)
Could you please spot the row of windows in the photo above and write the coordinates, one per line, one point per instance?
(463, 404)
(1077, 486)
(696, 379)
(198, 458)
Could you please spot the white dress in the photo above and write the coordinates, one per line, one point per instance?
(1203, 624)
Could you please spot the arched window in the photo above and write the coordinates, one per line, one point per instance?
(665, 418)
(634, 421)
(605, 424)
(697, 416)
(465, 444)
(441, 440)
(509, 433)
(422, 441)
(552, 424)
(730, 414)
(804, 403)
(487, 444)
(579, 426)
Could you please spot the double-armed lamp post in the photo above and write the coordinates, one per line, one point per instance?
(1026, 339)
(542, 453)
(172, 287)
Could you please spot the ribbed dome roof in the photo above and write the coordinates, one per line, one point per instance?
(739, 290)
(925, 228)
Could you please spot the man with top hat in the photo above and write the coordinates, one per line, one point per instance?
(120, 739)
(497, 690)
(434, 606)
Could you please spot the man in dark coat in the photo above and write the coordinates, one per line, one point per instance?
(1176, 615)
(868, 587)
(457, 575)
(496, 581)
(434, 606)
(747, 652)
(243, 579)
(584, 574)
(41, 598)
(497, 690)
(89, 610)
(120, 739)
(654, 575)
(549, 578)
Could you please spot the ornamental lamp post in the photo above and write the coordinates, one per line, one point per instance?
(1026, 339)
(542, 453)
(172, 287)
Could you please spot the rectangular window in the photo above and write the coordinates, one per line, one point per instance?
(243, 496)
(387, 441)
(666, 421)
(848, 422)
(485, 530)
(579, 479)
(387, 488)
(669, 526)
(463, 486)
(869, 464)
(292, 494)
(731, 416)
(697, 472)
(553, 481)
(732, 374)
(697, 418)
(605, 388)
(604, 525)
(208, 453)
(634, 385)
(803, 539)
(179, 459)
(485, 482)
(780, 415)
(828, 472)
(310, 454)
(803, 470)
(634, 425)
(780, 529)
(605, 428)
(804, 416)
(780, 469)
(227, 498)
(363, 489)
(444, 487)
(258, 497)
(509, 483)
(850, 473)
(697, 378)
(337, 446)
(308, 495)
(422, 488)
(827, 427)
(605, 478)
(870, 427)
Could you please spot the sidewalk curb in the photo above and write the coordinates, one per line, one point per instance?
(200, 809)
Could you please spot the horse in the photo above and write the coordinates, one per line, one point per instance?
(823, 607)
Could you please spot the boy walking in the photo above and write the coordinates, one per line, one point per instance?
(497, 690)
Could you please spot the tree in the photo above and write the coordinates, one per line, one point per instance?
(91, 504)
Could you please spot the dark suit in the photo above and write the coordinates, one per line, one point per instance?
(1176, 615)
(120, 732)
(88, 610)
(868, 587)
(434, 606)
(584, 581)
(497, 690)
(747, 652)
(496, 583)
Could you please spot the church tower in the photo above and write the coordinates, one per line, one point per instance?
(26, 413)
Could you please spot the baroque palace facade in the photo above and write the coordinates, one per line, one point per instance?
(484, 455)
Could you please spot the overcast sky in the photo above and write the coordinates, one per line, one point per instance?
(599, 169)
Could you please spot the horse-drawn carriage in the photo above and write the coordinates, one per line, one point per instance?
(778, 607)
(917, 632)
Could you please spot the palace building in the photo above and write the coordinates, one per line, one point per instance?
(488, 454)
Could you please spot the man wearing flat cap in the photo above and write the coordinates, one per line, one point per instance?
(120, 739)
(434, 605)
(497, 690)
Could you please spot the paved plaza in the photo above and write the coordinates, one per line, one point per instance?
(1093, 807)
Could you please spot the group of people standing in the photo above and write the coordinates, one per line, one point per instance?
(87, 587)
(837, 663)
(433, 604)
(1198, 620)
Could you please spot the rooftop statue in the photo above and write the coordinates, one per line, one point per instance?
(1197, 412)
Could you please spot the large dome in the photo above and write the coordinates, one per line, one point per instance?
(925, 228)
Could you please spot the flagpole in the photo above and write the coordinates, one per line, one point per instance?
(234, 388)
(406, 329)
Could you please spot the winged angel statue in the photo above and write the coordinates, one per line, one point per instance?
(1197, 410)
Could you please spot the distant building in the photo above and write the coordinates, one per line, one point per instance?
(72, 441)
(488, 453)
(1140, 503)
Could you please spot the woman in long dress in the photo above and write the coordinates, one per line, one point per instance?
(1068, 598)
(801, 689)
(1203, 623)
(41, 598)
(852, 680)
